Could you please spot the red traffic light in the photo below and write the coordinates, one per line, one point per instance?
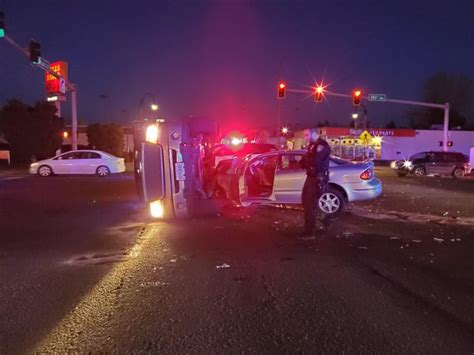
(281, 89)
(356, 97)
(318, 94)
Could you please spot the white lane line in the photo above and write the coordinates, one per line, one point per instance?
(12, 178)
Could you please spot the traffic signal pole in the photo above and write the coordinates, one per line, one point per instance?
(74, 117)
(444, 107)
(44, 65)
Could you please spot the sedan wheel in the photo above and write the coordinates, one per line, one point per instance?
(102, 171)
(45, 171)
(332, 202)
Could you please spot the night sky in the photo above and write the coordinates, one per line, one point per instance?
(223, 58)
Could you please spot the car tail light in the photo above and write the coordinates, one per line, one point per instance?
(367, 174)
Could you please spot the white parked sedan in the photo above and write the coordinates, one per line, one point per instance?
(79, 162)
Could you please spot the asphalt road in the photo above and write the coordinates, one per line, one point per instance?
(83, 269)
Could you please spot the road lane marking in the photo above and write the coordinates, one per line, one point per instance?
(12, 178)
(96, 305)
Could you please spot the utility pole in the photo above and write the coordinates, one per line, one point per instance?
(74, 117)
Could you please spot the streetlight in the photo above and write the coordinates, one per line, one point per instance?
(285, 130)
(153, 106)
(355, 115)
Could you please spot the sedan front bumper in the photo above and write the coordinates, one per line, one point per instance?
(33, 170)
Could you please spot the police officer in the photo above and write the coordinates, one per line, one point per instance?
(316, 163)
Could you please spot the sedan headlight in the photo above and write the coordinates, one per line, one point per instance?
(32, 165)
(393, 164)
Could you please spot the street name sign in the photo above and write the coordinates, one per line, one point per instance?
(377, 97)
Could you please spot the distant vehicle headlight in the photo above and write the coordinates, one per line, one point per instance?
(407, 164)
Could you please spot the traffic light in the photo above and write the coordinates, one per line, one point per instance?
(281, 89)
(318, 95)
(2, 24)
(356, 97)
(35, 52)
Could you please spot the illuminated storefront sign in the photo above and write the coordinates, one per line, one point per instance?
(54, 85)
(374, 132)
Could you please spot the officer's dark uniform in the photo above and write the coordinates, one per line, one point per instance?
(316, 163)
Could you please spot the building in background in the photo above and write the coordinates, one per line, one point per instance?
(388, 144)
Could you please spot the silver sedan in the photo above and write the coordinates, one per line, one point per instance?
(277, 178)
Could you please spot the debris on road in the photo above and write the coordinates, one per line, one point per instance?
(416, 240)
(394, 238)
(223, 266)
(363, 248)
(439, 240)
(153, 284)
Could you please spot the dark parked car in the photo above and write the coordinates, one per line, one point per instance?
(433, 163)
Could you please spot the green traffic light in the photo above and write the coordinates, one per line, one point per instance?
(2, 24)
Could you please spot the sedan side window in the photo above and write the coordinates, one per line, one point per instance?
(290, 162)
(83, 155)
(68, 156)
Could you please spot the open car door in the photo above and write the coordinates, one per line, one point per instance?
(289, 179)
(257, 180)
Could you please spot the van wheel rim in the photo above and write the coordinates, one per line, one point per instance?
(329, 203)
(458, 173)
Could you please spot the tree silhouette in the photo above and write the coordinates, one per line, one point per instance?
(32, 131)
(440, 88)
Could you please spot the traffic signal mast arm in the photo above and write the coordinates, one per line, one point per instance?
(406, 102)
(444, 107)
(44, 65)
